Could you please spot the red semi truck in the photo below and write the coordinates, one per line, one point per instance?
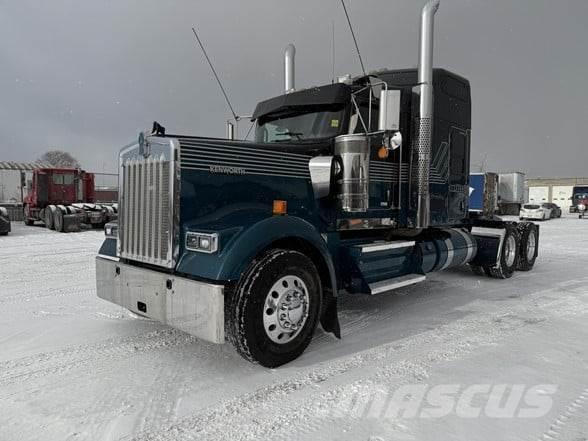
(64, 200)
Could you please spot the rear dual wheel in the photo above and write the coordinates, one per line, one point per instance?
(273, 311)
(529, 245)
(58, 219)
(509, 255)
(49, 216)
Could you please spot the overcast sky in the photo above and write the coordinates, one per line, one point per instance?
(87, 76)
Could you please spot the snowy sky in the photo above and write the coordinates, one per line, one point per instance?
(87, 76)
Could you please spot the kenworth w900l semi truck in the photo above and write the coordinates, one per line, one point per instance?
(359, 186)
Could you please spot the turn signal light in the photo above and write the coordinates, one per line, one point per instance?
(280, 207)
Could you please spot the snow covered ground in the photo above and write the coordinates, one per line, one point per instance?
(73, 367)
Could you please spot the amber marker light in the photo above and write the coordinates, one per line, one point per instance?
(382, 152)
(280, 207)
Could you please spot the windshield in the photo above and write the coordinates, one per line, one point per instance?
(63, 179)
(299, 127)
(531, 207)
(581, 196)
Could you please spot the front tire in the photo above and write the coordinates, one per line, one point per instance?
(273, 311)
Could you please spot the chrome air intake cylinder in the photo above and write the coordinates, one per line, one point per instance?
(353, 184)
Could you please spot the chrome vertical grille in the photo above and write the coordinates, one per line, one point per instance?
(146, 210)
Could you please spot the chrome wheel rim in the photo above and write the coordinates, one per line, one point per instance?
(510, 250)
(285, 310)
(531, 245)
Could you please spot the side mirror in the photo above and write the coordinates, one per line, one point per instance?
(323, 170)
(389, 118)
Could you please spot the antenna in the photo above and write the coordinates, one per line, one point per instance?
(354, 39)
(333, 51)
(216, 76)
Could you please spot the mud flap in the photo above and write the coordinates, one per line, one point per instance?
(329, 316)
(71, 223)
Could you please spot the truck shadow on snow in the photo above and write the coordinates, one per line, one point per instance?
(371, 321)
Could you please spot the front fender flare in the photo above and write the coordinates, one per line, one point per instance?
(261, 235)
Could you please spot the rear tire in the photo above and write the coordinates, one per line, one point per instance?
(279, 292)
(49, 216)
(529, 246)
(58, 220)
(509, 255)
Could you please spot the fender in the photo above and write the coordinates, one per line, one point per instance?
(243, 245)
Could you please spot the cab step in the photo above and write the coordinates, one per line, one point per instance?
(397, 282)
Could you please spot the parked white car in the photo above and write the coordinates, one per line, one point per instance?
(535, 212)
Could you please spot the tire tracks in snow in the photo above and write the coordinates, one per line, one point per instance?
(251, 414)
(565, 423)
(61, 361)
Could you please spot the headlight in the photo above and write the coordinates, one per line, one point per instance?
(202, 242)
(111, 230)
(581, 207)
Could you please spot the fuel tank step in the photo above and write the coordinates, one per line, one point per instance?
(374, 247)
(395, 283)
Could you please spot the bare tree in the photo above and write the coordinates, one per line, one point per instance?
(59, 158)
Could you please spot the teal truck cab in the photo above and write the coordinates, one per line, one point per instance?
(360, 186)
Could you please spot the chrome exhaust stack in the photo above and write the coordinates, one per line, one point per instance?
(289, 54)
(424, 123)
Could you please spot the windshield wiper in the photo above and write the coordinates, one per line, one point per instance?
(290, 134)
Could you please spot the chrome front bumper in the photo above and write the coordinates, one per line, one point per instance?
(194, 307)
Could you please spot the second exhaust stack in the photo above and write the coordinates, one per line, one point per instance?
(423, 141)
(289, 54)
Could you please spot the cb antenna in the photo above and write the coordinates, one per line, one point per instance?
(354, 39)
(235, 116)
(332, 51)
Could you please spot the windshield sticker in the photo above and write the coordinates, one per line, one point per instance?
(335, 123)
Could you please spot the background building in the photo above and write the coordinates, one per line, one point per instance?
(556, 190)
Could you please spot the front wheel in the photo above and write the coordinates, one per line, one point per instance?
(274, 309)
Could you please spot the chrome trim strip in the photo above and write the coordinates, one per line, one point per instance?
(248, 165)
(492, 232)
(372, 248)
(245, 163)
(395, 283)
(450, 254)
(104, 256)
(470, 243)
(206, 151)
(257, 173)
